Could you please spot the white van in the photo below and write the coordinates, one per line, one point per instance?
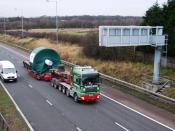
(8, 71)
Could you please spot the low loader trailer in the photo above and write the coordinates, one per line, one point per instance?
(81, 83)
(41, 61)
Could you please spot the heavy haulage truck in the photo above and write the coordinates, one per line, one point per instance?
(81, 83)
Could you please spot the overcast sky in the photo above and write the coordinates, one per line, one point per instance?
(33, 8)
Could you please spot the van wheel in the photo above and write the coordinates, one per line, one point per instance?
(4, 81)
(67, 93)
(76, 98)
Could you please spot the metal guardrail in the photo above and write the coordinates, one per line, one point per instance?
(117, 81)
(3, 123)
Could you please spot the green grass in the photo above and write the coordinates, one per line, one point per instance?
(169, 92)
(10, 113)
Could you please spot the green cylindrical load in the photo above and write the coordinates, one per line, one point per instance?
(42, 59)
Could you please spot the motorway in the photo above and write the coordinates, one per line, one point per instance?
(47, 109)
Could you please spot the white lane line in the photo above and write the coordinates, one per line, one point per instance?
(17, 107)
(138, 112)
(49, 102)
(30, 86)
(78, 129)
(121, 126)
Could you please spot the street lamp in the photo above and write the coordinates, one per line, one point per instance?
(22, 22)
(56, 2)
(5, 28)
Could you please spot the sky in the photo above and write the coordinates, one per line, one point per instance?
(35, 8)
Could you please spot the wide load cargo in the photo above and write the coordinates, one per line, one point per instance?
(41, 61)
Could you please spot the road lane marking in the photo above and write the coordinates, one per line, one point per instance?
(17, 107)
(121, 126)
(138, 112)
(105, 96)
(78, 129)
(49, 102)
(30, 86)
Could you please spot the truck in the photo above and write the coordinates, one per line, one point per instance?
(82, 83)
(41, 60)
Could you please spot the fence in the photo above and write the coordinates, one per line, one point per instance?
(3, 124)
(119, 82)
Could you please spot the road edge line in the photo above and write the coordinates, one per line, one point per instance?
(17, 107)
(137, 112)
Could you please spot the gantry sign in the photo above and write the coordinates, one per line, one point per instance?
(120, 36)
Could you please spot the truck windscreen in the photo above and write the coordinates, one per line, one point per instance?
(90, 79)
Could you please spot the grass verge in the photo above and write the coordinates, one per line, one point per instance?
(10, 113)
(145, 97)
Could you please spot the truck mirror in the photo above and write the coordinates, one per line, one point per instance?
(1, 72)
(16, 71)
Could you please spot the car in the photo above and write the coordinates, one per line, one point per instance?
(8, 71)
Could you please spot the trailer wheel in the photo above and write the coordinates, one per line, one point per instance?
(67, 93)
(64, 90)
(52, 83)
(59, 88)
(55, 86)
(75, 98)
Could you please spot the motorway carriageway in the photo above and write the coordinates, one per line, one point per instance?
(47, 109)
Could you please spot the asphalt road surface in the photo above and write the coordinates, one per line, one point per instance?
(47, 109)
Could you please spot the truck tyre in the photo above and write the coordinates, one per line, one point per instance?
(52, 83)
(75, 98)
(55, 86)
(64, 90)
(59, 88)
(67, 93)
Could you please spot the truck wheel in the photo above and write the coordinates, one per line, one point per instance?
(67, 93)
(59, 88)
(52, 83)
(64, 90)
(55, 86)
(76, 98)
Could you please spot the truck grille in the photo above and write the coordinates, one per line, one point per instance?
(93, 89)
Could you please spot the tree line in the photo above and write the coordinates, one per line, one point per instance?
(163, 15)
(69, 21)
